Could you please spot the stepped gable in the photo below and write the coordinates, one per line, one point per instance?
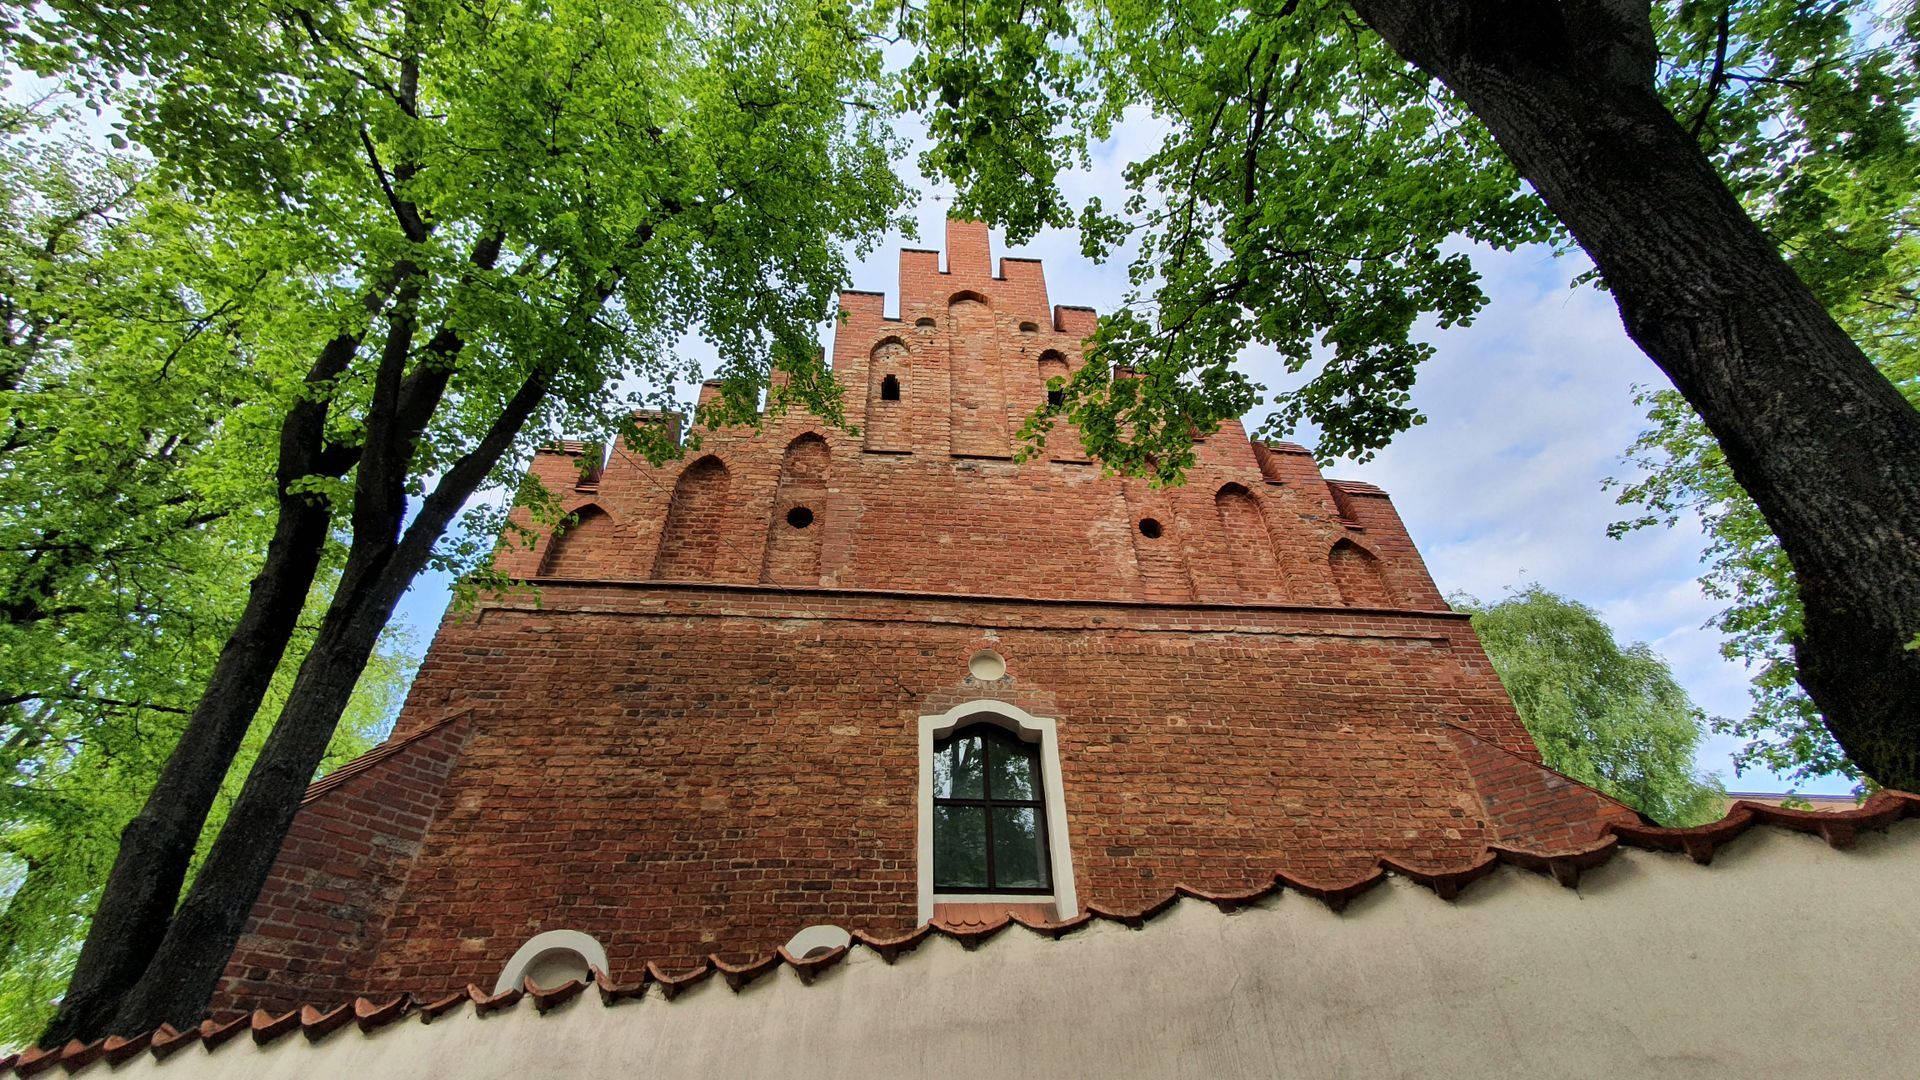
(713, 723)
(927, 498)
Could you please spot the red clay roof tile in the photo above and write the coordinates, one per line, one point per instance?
(1839, 828)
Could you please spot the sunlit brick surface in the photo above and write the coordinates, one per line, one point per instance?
(700, 736)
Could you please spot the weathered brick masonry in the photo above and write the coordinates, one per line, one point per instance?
(701, 735)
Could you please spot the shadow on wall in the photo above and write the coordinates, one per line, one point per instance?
(575, 551)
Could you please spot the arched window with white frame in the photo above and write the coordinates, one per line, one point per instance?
(989, 816)
(992, 813)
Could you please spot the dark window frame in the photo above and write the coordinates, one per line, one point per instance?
(991, 733)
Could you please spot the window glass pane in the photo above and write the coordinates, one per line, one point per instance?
(957, 769)
(959, 847)
(1017, 863)
(1010, 770)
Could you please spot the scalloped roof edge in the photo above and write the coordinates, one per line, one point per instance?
(1840, 829)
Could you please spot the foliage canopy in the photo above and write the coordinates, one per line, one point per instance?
(1610, 717)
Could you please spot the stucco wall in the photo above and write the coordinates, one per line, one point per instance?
(1784, 958)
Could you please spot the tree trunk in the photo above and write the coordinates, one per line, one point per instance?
(187, 965)
(157, 846)
(1822, 441)
(25, 906)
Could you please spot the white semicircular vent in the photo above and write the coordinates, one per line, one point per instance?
(551, 959)
(818, 939)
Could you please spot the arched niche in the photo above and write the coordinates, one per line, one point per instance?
(1250, 546)
(1357, 571)
(796, 525)
(887, 383)
(696, 522)
(807, 460)
(580, 550)
(977, 417)
(1052, 365)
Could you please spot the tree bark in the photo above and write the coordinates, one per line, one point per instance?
(156, 848)
(186, 967)
(1826, 446)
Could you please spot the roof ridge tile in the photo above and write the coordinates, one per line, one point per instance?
(484, 1003)
(268, 1027)
(316, 1024)
(117, 1049)
(545, 999)
(1228, 903)
(166, 1039)
(434, 1008)
(371, 1016)
(740, 976)
(1445, 881)
(1334, 896)
(214, 1033)
(612, 992)
(812, 966)
(672, 986)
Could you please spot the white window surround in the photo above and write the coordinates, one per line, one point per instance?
(543, 946)
(1027, 728)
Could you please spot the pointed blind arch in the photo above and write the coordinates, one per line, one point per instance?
(580, 549)
(1358, 573)
(796, 529)
(696, 522)
(1250, 545)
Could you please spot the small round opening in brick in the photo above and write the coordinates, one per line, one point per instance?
(799, 517)
(1150, 528)
(925, 326)
(987, 665)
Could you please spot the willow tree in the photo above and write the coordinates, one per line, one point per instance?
(500, 212)
(1323, 161)
(1608, 715)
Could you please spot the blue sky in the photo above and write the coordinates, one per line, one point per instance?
(1528, 412)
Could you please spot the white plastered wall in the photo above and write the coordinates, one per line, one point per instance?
(1784, 958)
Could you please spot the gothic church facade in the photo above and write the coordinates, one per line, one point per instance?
(805, 680)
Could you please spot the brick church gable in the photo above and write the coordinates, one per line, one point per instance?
(713, 726)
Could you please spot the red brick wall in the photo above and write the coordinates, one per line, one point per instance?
(928, 497)
(320, 915)
(678, 770)
(702, 734)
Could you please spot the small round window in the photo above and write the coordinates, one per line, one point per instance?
(799, 517)
(1150, 528)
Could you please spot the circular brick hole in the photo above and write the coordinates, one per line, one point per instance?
(799, 517)
(987, 665)
(1150, 528)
